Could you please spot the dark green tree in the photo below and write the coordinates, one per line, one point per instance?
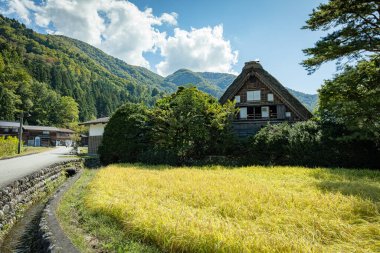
(354, 31)
(127, 134)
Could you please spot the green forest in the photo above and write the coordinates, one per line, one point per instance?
(41, 74)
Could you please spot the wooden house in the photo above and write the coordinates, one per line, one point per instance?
(261, 99)
(37, 135)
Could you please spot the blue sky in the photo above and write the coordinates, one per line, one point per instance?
(165, 35)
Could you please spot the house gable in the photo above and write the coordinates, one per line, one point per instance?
(261, 100)
(254, 77)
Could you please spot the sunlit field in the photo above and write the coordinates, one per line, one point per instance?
(251, 209)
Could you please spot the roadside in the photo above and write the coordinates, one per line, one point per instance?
(28, 151)
(18, 167)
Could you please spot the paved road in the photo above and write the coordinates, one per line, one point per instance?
(16, 168)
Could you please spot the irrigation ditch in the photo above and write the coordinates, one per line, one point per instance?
(27, 207)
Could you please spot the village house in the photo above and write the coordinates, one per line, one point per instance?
(45, 136)
(95, 133)
(261, 100)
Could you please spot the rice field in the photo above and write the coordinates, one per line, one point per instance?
(250, 209)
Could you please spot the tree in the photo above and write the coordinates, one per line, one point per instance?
(190, 123)
(352, 100)
(67, 111)
(126, 135)
(354, 27)
(7, 104)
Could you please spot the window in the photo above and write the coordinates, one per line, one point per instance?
(243, 113)
(270, 97)
(265, 112)
(6, 130)
(254, 95)
(237, 99)
(257, 95)
(288, 114)
(45, 132)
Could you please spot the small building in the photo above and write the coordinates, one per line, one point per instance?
(45, 136)
(95, 133)
(9, 128)
(261, 100)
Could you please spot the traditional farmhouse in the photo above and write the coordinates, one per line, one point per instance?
(37, 135)
(261, 99)
(95, 135)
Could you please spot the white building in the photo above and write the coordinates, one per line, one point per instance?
(95, 136)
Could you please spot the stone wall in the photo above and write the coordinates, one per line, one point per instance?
(19, 195)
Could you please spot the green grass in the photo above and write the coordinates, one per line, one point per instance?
(219, 209)
(27, 151)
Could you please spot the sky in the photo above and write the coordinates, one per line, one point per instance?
(167, 35)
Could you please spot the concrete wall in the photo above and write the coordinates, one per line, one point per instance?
(96, 129)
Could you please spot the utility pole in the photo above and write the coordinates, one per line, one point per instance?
(20, 133)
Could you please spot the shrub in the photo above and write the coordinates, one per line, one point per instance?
(126, 135)
(285, 143)
(8, 146)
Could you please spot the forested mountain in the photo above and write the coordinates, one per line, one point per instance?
(216, 83)
(43, 75)
(62, 67)
(309, 100)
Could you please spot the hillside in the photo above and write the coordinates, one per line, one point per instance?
(216, 83)
(309, 100)
(61, 66)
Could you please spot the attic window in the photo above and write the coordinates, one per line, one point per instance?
(288, 114)
(254, 95)
(237, 99)
(270, 97)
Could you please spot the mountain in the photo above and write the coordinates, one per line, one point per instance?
(62, 66)
(216, 83)
(308, 100)
(43, 74)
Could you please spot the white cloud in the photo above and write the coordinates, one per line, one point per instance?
(120, 29)
(202, 49)
(21, 8)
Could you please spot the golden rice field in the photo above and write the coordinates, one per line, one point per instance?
(251, 209)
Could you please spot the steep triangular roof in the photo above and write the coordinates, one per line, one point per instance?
(255, 69)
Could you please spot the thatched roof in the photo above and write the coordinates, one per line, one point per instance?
(254, 68)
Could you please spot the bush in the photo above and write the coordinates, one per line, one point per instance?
(8, 146)
(296, 144)
(126, 135)
(311, 144)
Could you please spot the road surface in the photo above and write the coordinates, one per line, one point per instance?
(19, 167)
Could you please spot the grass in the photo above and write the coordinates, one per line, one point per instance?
(93, 231)
(251, 209)
(27, 151)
